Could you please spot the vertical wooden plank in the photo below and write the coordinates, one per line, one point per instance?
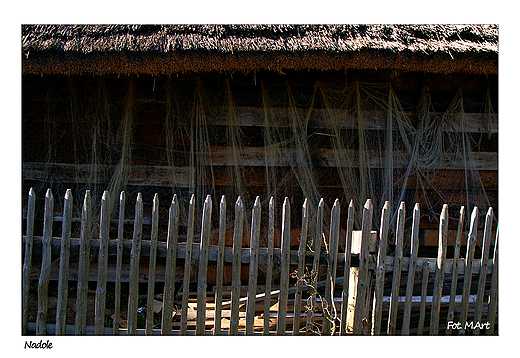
(329, 311)
(493, 291)
(424, 291)
(380, 270)
(135, 254)
(220, 266)
(119, 264)
(398, 263)
(455, 270)
(301, 267)
(151, 267)
(362, 291)
(414, 249)
(237, 267)
(171, 262)
(483, 268)
(104, 227)
(468, 268)
(439, 271)
(269, 271)
(63, 276)
(187, 267)
(310, 327)
(203, 266)
(284, 267)
(346, 269)
(27, 262)
(83, 266)
(253, 267)
(43, 282)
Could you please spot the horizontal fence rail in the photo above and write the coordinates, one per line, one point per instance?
(337, 281)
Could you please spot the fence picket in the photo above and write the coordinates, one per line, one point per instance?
(119, 264)
(316, 240)
(439, 271)
(171, 262)
(330, 316)
(363, 278)
(43, 282)
(301, 268)
(27, 262)
(63, 280)
(455, 270)
(396, 278)
(133, 287)
(424, 291)
(468, 267)
(237, 267)
(253, 267)
(187, 267)
(151, 267)
(203, 266)
(104, 227)
(493, 291)
(284, 267)
(83, 266)
(414, 249)
(346, 269)
(380, 270)
(483, 268)
(220, 267)
(269, 271)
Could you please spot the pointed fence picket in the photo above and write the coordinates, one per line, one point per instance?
(306, 295)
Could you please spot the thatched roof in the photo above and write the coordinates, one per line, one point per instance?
(168, 49)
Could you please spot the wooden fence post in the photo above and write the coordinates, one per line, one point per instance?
(468, 268)
(483, 268)
(151, 266)
(119, 264)
(424, 291)
(301, 267)
(253, 267)
(171, 262)
(63, 279)
(493, 291)
(104, 227)
(439, 271)
(220, 266)
(43, 282)
(346, 269)
(414, 249)
(363, 278)
(133, 291)
(83, 266)
(284, 266)
(398, 263)
(329, 315)
(203, 266)
(27, 262)
(237, 267)
(309, 327)
(455, 270)
(380, 270)
(269, 273)
(187, 267)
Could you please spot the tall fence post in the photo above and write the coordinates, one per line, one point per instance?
(414, 249)
(83, 266)
(284, 267)
(493, 291)
(171, 264)
(27, 262)
(63, 279)
(455, 271)
(468, 267)
(203, 267)
(119, 264)
(269, 273)
(439, 271)
(43, 282)
(424, 291)
(329, 311)
(187, 267)
(220, 266)
(301, 267)
(380, 270)
(133, 291)
(104, 227)
(346, 269)
(253, 267)
(237, 267)
(396, 278)
(151, 267)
